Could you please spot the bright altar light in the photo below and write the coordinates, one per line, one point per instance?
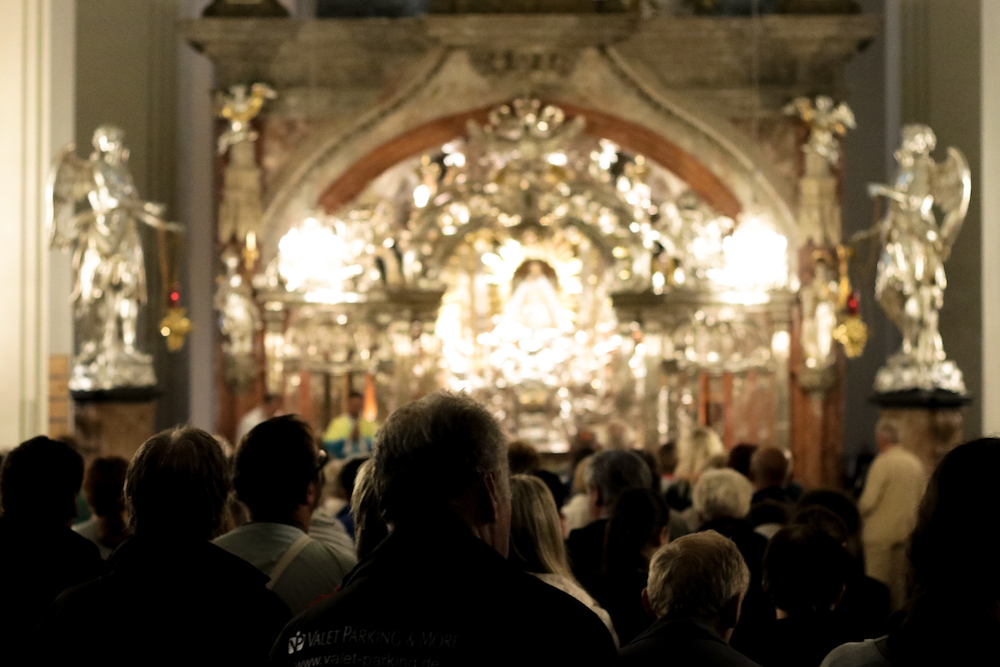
(421, 195)
(313, 258)
(756, 257)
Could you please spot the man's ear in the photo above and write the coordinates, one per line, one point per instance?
(646, 604)
(312, 493)
(731, 611)
(665, 535)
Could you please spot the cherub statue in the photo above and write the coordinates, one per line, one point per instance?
(239, 109)
(93, 210)
(828, 123)
(911, 280)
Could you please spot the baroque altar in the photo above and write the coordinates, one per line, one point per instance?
(579, 219)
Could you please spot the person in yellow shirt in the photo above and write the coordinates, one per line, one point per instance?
(350, 434)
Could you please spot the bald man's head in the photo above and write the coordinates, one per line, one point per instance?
(768, 468)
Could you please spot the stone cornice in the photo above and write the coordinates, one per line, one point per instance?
(706, 57)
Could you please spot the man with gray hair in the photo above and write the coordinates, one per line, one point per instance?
(613, 472)
(696, 588)
(889, 505)
(438, 590)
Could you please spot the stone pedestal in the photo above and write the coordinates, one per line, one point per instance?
(929, 424)
(114, 423)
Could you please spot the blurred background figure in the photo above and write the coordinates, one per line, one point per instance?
(702, 450)
(613, 472)
(666, 465)
(696, 589)
(769, 472)
(346, 478)
(524, 459)
(39, 555)
(270, 407)
(576, 512)
(740, 456)
(536, 543)
(889, 503)
(637, 527)
(104, 489)
(865, 606)
(350, 434)
(805, 571)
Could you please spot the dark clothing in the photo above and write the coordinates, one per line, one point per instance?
(585, 549)
(164, 603)
(758, 612)
(864, 609)
(37, 565)
(801, 641)
(776, 493)
(555, 485)
(681, 643)
(621, 596)
(441, 596)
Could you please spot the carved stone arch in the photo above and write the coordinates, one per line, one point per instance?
(702, 148)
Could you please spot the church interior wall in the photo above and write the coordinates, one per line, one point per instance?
(931, 65)
(991, 217)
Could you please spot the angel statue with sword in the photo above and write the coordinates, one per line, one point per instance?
(910, 282)
(94, 211)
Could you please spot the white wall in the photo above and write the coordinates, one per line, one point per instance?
(36, 55)
(991, 216)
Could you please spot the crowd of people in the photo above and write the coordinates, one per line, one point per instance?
(449, 545)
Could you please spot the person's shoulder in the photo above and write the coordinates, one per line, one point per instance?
(856, 654)
(328, 553)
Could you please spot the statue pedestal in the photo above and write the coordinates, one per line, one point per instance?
(116, 422)
(929, 423)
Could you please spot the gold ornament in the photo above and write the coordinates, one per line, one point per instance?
(175, 327)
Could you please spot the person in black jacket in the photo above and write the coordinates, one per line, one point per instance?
(39, 555)
(613, 472)
(439, 590)
(167, 595)
(696, 588)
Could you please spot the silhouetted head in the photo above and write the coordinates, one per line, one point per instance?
(176, 486)
(39, 481)
(278, 468)
(768, 468)
(805, 569)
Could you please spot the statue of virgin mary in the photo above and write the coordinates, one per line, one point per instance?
(534, 304)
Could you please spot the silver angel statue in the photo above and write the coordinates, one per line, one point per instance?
(910, 282)
(94, 211)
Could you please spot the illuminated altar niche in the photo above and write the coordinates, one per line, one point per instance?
(530, 197)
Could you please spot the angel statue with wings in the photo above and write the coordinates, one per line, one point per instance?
(94, 211)
(910, 282)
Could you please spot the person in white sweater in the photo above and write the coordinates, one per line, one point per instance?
(889, 504)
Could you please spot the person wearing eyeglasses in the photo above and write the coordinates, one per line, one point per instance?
(278, 475)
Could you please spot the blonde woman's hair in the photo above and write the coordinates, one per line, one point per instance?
(583, 475)
(700, 448)
(536, 543)
(369, 529)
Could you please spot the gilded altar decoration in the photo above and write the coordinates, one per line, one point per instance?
(239, 322)
(910, 282)
(240, 211)
(498, 264)
(94, 210)
(852, 332)
(819, 202)
(239, 227)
